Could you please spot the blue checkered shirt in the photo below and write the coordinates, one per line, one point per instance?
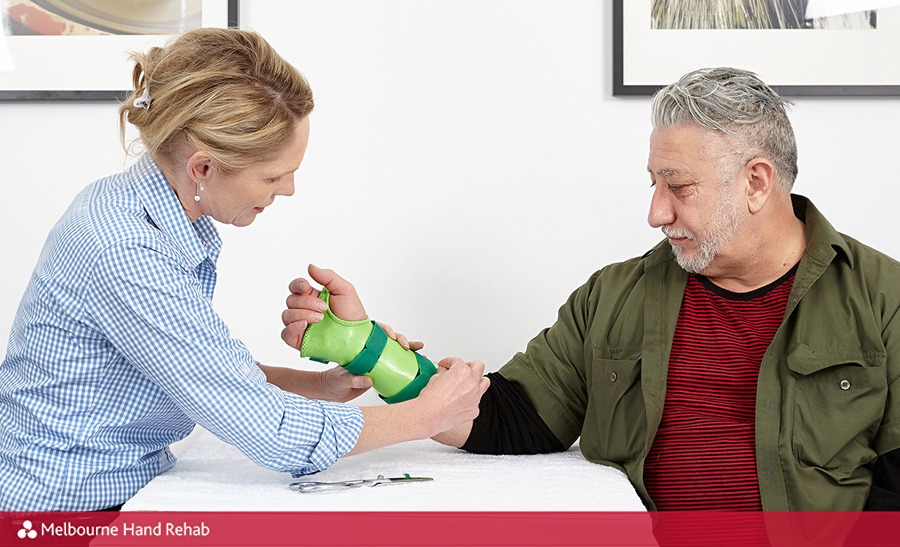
(116, 352)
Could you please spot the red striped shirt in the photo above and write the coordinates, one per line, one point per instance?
(704, 454)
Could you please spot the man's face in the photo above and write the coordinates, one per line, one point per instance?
(697, 213)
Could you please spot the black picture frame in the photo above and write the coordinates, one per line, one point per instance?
(227, 15)
(827, 78)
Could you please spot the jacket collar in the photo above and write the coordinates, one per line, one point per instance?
(823, 242)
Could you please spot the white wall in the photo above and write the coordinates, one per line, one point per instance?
(467, 169)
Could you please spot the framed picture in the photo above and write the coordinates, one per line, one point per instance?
(799, 47)
(78, 49)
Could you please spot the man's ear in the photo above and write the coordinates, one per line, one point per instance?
(760, 183)
(199, 167)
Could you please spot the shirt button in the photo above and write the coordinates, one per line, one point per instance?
(845, 384)
(613, 376)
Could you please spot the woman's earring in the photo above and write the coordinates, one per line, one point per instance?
(197, 195)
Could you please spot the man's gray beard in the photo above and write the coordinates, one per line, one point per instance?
(721, 229)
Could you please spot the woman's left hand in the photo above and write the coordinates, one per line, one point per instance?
(339, 385)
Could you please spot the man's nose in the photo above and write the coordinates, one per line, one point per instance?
(661, 211)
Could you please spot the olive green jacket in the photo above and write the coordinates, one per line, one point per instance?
(828, 399)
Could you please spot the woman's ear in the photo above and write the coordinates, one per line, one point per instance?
(199, 167)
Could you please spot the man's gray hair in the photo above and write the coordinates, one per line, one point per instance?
(749, 115)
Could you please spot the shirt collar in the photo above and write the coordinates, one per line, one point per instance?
(198, 240)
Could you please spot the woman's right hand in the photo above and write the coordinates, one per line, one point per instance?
(447, 405)
(452, 395)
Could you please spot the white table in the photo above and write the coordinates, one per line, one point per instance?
(213, 476)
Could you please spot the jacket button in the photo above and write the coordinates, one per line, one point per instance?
(613, 376)
(845, 384)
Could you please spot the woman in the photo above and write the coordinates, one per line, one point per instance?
(116, 350)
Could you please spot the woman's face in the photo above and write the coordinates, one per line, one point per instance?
(238, 197)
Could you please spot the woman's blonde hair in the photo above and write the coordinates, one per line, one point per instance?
(224, 91)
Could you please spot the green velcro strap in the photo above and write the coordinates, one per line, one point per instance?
(368, 357)
(412, 390)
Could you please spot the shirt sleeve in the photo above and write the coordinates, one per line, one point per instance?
(888, 437)
(507, 423)
(885, 492)
(154, 312)
(552, 369)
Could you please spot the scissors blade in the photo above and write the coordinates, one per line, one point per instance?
(306, 487)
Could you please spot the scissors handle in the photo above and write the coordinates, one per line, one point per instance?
(306, 487)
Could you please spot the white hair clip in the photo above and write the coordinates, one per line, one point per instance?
(144, 100)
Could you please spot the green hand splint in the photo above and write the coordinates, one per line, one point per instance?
(363, 348)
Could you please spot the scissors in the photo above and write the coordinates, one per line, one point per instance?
(307, 487)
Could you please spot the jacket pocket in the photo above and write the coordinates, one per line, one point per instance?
(839, 401)
(615, 422)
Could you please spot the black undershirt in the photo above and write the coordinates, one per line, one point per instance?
(885, 492)
(508, 423)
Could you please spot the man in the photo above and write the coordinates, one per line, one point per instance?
(747, 362)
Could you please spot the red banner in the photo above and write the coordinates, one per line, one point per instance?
(675, 529)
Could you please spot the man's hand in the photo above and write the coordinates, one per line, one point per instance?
(305, 308)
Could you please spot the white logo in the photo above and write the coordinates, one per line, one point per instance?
(27, 531)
